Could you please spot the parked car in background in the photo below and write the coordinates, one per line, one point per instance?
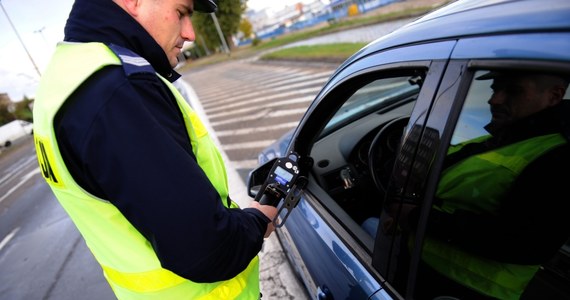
(14, 130)
(377, 135)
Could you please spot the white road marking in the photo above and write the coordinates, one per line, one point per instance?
(223, 114)
(244, 164)
(262, 97)
(9, 237)
(247, 145)
(246, 131)
(22, 181)
(262, 115)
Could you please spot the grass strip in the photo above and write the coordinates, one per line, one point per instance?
(322, 52)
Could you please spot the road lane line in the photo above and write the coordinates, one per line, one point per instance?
(247, 145)
(264, 114)
(252, 130)
(216, 93)
(18, 167)
(22, 181)
(274, 92)
(245, 164)
(308, 100)
(7, 239)
(265, 97)
(243, 88)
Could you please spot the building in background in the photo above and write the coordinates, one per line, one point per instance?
(267, 24)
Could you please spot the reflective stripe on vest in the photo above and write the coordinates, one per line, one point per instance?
(483, 180)
(129, 262)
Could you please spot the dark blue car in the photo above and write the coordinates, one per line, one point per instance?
(375, 142)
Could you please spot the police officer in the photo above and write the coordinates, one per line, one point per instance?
(133, 165)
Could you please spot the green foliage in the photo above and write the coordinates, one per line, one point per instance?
(325, 52)
(5, 116)
(256, 41)
(23, 110)
(10, 111)
(229, 17)
(246, 28)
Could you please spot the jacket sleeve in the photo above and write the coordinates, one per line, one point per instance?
(125, 141)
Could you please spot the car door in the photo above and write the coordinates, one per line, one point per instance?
(459, 114)
(326, 235)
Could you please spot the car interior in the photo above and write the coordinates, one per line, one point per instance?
(356, 150)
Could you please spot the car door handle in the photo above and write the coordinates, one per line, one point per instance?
(323, 293)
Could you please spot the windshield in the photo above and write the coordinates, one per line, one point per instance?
(374, 96)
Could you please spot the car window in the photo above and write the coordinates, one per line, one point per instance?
(342, 152)
(475, 113)
(378, 94)
(498, 225)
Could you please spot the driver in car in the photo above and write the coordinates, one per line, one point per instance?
(501, 205)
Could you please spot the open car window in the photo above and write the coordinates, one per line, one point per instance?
(342, 152)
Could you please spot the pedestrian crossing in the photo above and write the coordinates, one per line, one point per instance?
(250, 104)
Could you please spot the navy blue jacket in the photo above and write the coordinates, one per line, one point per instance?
(123, 139)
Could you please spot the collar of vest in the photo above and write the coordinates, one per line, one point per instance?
(134, 63)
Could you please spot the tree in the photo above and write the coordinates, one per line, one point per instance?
(246, 28)
(23, 109)
(229, 16)
(10, 111)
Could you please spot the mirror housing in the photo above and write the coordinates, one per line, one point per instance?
(257, 177)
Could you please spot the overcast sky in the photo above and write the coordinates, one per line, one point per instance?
(39, 23)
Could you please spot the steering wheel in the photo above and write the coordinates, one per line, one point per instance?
(382, 151)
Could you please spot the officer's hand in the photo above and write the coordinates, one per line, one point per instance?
(269, 211)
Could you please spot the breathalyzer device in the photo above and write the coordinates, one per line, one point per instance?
(283, 183)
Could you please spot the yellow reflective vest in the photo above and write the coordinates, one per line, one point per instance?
(129, 262)
(467, 186)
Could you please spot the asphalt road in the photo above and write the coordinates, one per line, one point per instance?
(42, 255)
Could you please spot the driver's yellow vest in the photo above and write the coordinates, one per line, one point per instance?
(477, 184)
(129, 263)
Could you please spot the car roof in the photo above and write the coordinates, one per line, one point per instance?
(465, 18)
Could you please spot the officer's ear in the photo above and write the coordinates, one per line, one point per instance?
(130, 6)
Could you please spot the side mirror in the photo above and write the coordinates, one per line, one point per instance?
(257, 177)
